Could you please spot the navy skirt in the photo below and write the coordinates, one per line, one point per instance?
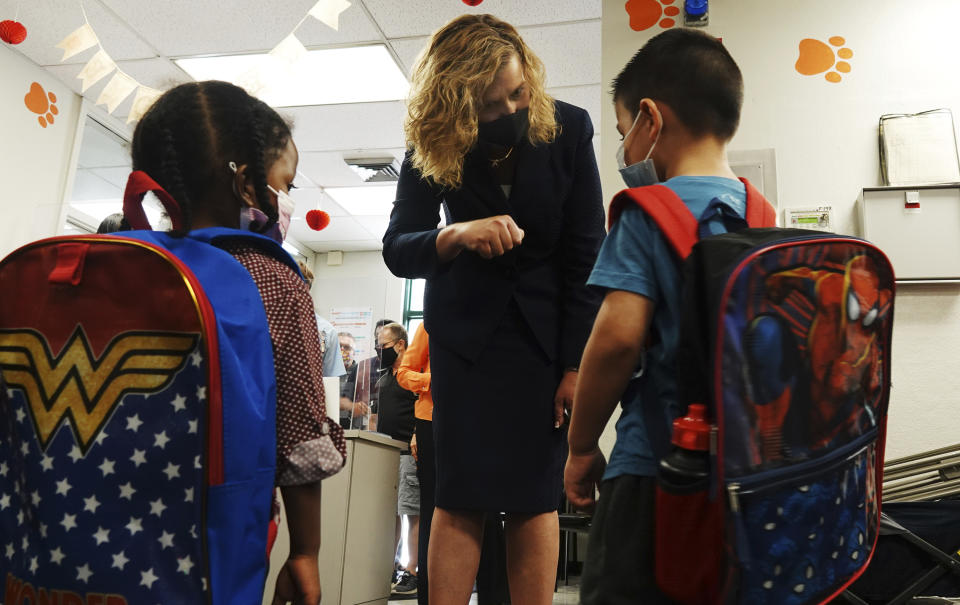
(496, 448)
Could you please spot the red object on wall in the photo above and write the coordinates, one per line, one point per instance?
(12, 32)
(318, 219)
(472, 2)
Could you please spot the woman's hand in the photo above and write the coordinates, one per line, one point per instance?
(488, 237)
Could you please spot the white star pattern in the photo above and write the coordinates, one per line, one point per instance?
(119, 560)
(10, 551)
(84, 573)
(127, 491)
(4, 469)
(25, 448)
(46, 463)
(102, 535)
(172, 471)
(91, 504)
(63, 487)
(56, 556)
(5, 502)
(139, 457)
(196, 462)
(192, 424)
(75, 454)
(165, 540)
(43, 530)
(21, 415)
(106, 467)
(34, 565)
(101, 437)
(201, 393)
(160, 440)
(157, 507)
(25, 543)
(135, 525)
(184, 565)
(196, 359)
(179, 403)
(69, 521)
(134, 422)
(35, 496)
(147, 578)
(188, 495)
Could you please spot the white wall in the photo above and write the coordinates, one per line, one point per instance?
(825, 136)
(363, 280)
(34, 161)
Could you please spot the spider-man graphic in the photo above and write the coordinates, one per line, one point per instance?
(829, 394)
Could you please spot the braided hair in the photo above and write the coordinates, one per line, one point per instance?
(188, 137)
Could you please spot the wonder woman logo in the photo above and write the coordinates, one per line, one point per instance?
(76, 386)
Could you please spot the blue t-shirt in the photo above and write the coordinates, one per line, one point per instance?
(636, 258)
(330, 339)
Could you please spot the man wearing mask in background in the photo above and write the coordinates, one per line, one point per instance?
(394, 416)
(353, 409)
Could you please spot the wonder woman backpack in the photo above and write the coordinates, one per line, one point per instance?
(137, 426)
(785, 343)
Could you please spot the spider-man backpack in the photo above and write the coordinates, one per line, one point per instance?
(785, 345)
(137, 422)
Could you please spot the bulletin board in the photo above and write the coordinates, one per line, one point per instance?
(918, 228)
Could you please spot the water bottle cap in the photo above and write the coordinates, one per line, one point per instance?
(692, 432)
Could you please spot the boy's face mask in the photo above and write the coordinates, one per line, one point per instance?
(641, 173)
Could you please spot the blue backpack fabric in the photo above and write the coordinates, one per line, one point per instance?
(137, 427)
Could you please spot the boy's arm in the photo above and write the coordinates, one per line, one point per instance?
(299, 579)
(609, 360)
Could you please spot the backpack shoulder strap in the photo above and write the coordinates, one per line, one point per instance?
(676, 222)
(760, 213)
(220, 236)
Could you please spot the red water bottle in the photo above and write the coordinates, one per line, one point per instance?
(688, 465)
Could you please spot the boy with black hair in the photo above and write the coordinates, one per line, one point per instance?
(678, 105)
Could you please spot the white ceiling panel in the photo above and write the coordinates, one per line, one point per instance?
(343, 228)
(421, 17)
(87, 186)
(363, 245)
(355, 127)
(354, 27)
(199, 27)
(115, 176)
(50, 21)
(553, 44)
(376, 225)
(408, 49)
(308, 199)
(329, 170)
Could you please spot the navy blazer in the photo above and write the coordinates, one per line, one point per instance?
(555, 199)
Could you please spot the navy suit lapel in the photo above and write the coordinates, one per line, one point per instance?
(482, 184)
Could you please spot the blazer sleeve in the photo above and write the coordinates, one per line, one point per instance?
(583, 234)
(410, 242)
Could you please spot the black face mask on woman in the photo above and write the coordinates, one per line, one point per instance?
(507, 131)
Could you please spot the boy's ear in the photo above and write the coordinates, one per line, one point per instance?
(243, 186)
(650, 111)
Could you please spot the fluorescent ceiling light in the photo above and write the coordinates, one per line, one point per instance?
(364, 201)
(321, 77)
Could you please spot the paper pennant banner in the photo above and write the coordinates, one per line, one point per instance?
(96, 69)
(117, 89)
(80, 40)
(289, 51)
(252, 81)
(142, 102)
(328, 11)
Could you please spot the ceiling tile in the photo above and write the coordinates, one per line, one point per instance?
(340, 228)
(408, 49)
(355, 27)
(307, 199)
(422, 17)
(376, 225)
(353, 127)
(329, 169)
(364, 245)
(51, 21)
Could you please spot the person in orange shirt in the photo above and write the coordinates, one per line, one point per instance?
(414, 375)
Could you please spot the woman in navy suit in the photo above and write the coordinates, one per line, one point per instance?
(506, 303)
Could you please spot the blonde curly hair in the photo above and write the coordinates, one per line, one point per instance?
(458, 65)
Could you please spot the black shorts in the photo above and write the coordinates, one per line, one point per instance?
(619, 565)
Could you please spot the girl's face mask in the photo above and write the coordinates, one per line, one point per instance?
(255, 220)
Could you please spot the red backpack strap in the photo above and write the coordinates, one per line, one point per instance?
(668, 211)
(760, 213)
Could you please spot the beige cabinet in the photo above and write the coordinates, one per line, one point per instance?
(358, 519)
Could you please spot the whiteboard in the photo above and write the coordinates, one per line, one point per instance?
(920, 233)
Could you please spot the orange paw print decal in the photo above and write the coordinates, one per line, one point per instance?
(817, 57)
(644, 14)
(42, 103)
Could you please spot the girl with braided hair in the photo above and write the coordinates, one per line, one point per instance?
(229, 160)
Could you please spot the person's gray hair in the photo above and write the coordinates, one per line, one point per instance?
(397, 331)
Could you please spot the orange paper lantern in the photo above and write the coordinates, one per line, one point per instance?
(12, 32)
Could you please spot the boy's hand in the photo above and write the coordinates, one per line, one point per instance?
(582, 477)
(298, 582)
(563, 399)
